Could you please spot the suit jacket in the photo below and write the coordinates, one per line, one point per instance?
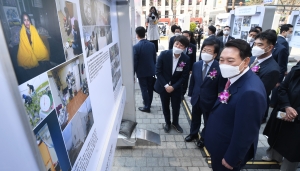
(283, 41)
(206, 91)
(191, 53)
(144, 58)
(228, 39)
(232, 129)
(281, 56)
(164, 70)
(268, 73)
(171, 42)
(220, 43)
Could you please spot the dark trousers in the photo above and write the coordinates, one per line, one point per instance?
(267, 111)
(146, 85)
(274, 97)
(175, 98)
(196, 120)
(185, 86)
(216, 164)
(155, 44)
(198, 42)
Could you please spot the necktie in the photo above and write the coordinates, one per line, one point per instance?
(204, 71)
(225, 39)
(254, 63)
(227, 85)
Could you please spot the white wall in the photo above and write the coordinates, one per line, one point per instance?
(77, 130)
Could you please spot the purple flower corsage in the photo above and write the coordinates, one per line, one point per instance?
(224, 96)
(212, 74)
(255, 69)
(190, 50)
(181, 64)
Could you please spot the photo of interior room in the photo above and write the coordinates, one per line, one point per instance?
(115, 62)
(37, 98)
(69, 86)
(70, 32)
(46, 147)
(91, 40)
(103, 13)
(33, 37)
(78, 129)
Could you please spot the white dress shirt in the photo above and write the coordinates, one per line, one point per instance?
(234, 79)
(263, 59)
(175, 62)
(208, 66)
(225, 38)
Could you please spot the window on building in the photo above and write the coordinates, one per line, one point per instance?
(205, 2)
(166, 14)
(143, 2)
(182, 2)
(167, 2)
(181, 11)
(190, 2)
(198, 2)
(159, 2)
(197, 13)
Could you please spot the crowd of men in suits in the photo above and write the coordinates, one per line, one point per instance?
(229, 85)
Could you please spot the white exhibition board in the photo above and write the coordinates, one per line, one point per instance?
(65, 55)
(295, 40)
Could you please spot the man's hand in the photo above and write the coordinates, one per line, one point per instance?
(224, 163)
(277, 85)
(169, 89)
(190, 72)
(291, 114)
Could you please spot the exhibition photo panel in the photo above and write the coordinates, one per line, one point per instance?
(69, 28)
(33, 37)
(70, 88)
(115, 61)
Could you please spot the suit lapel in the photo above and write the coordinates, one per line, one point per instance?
(201, 68)
(170, 60)
(213, 66)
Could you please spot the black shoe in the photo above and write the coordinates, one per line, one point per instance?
(200, 144)
(167, 128)
(144, 109)
(178, 128)
(190, 138)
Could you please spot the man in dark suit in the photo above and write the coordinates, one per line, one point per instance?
(286, 31)
(259, 29)
(226, 37)
(251, 36)
(144, 66)
(205, 84)
(190, 51)
(172, 69)
(177, 33)
(212, 36)
(263, 64)
(232, 129)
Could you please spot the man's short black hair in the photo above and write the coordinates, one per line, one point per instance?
(177, 27)
(242, 46)
(270, 36)
(285, 27)
(211, 43)
(254, 30)
(257, 27)
(173, 27)
(188, 32)
(228, 27)
(212, 29)
(183, 40)
(140, 31)
(271, 30)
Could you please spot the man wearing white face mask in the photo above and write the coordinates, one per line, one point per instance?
(232, 129)
(176, 33)
(251, 36)
(286, 32)
(226, 37)
(263, 64)
(172, 69)
(205, 84)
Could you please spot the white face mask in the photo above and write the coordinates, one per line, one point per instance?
(177, 34)
(229, 71)
(257, 51)
(226, 32)
(206, 57)
(177, 50)
(288, 36)
(250, 39)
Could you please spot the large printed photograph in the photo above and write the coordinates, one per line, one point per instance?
(70, 89)
(115, 62)
(33, 37)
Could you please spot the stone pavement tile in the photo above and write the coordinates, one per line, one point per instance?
(146, 153)
(168, 153)
(174, 161)
(191, 145)
(163, 162)
(157, 153)
(181, 169)
(198, 153)
(180, 145)
(118, 153)
(179, 137)
(205, 169)
(177, 153)
(130, 161)
(114, 168)
(153, 121)
(158, 169)
(170, 138)
(140, 161)
(126, 153)
(146, 169)
(193, 169)
(152, 161)
(171, 145)
(185, 161)
(162, 138)
(146, 121)
(136, 152)
(197, 162)
(188, 152)
(170, 168)
(119, 161)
